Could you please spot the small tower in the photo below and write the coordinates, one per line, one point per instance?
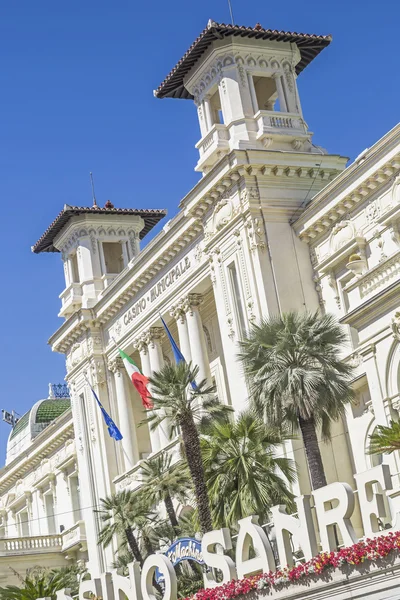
(96, 244)
(243, 82)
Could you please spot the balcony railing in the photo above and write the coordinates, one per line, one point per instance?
(74, 537)
(269, 122)
(71, 297)
(40, 544)
(212, 146)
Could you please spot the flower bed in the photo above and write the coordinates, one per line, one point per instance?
(368, 550)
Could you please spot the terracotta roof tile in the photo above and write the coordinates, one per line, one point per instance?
(151, 217)
(310, 45)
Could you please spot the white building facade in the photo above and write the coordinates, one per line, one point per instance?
(274, 224)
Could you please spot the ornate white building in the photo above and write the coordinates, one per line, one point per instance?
(274, 224)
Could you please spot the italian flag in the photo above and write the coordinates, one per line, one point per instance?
(139, 380)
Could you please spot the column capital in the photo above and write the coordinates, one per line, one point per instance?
(177, 311)
(115, 365)
(154, 336)
(190, 302)
(140, 344)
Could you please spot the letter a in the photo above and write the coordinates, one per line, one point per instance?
(251, 532)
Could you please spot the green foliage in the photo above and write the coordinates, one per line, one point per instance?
(243, 469)
(294, 369)
(385, 439)
(296, 377)
(175, 399)
(182, 401)
(163, 481)
(122, 513)
(40, 582)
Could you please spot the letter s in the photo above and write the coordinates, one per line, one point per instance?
(216, 559)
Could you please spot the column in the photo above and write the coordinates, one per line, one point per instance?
(141, 345)
(178, 313)
(196, 336)
(125, 424)
(154, 337)
(281, 95)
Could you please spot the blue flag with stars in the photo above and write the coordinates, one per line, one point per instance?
(113, 430)
(175, 349)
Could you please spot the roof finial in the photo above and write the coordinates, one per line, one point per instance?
(94, 195)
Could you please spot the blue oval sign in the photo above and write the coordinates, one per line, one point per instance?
(182, 549)
(185, 549)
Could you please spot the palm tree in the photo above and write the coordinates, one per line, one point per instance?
(181, 403)
(163, 481)
(243, 473)
(120, 514)
(385, 439)
(296, 376)
(41, 582)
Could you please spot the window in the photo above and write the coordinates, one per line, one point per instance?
(23, 523)
(113, 257)
(215, 109)
(266, 93)
(237, 299)
(49, 505)
(74, 268)
(74, 490)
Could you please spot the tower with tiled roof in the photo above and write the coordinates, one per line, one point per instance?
(96, 244)
(243, 82)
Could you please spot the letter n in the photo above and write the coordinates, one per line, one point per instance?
(301, 530)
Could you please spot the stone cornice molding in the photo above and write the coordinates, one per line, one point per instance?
(87, 225)
(235, 52)
(48, 441)
(365, 313)
(180, 232)
(350, 188)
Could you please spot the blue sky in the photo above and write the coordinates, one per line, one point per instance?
(76, 82)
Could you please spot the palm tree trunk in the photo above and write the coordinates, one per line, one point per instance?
(191, 442)
(147, 544)
(169, 507)
(134, 546)
(314, 459)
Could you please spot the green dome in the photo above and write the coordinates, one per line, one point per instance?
(49, 410)
(21, 424)
(46, 412)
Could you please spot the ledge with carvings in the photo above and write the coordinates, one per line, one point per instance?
(318, 219)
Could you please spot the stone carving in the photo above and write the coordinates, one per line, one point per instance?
(355, 360)
(255, 233)
(190, 302)
(372, 212)
(250, 193)
(396, 326)
(396, 190)
(241, 71)
(318, 289)
(395, 233)
(341, 234)
(222, 214)
(381, 243)
(118, 328)
(334, 286)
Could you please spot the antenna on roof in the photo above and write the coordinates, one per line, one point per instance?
(94, 195)
(231, 11)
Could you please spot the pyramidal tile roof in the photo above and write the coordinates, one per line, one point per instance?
(309, 45)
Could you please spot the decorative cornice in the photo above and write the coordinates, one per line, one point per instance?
(209, 191)
(360, 193)
(36, 453)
